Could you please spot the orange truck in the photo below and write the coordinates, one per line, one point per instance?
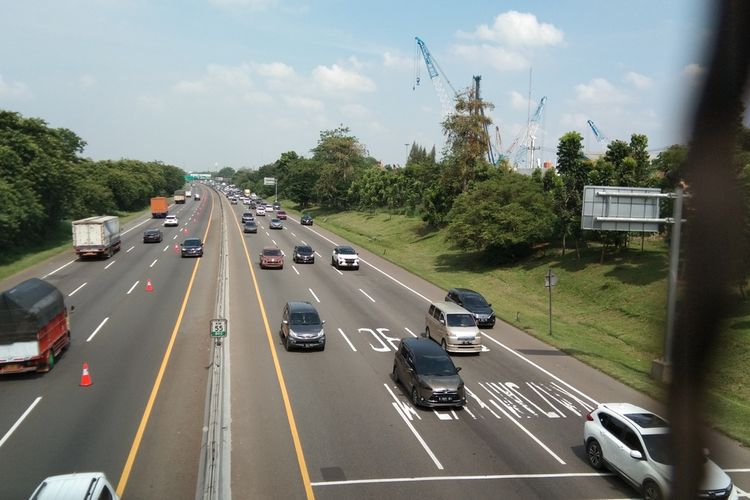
(159, 207)
(34, 327)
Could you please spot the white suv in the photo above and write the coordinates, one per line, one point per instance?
(633, 442)
(344, 256)
(171, 220)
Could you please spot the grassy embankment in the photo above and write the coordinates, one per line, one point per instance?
(610, 316)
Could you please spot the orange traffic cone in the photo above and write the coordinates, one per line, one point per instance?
(85, 377)
(149, 286)
(176, 248)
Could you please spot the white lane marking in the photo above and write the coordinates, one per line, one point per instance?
(410, 332)
(347, 340)
(74, 291)
(524, 429)
(337, 270)
(461, 478)
(139, 224)
(292, 233)
(131, 288)
(129, 249)
(470, 413)
(283, 254)
(165, 248)
(274, 242)
(442, 416)
(313, 294)
(546, 372)
(295, 270)
(58, 269)
(174, 237)
(267, 233)
(316, 253)
(303, 241)
(365, 294)
(108, 265)
(419, 438)
(154, 262)
(18, 422)
(97, 329)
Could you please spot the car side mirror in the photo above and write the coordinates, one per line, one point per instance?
(458, 369)
(285, 321)
(442, 321)
(635, 454)
(489, 305)
(323, 322)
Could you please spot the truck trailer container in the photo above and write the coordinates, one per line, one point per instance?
(96, 236)
(34, 327)
(179, 196)
(159, 207)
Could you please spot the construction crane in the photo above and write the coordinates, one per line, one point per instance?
(523, 157)
(435, 77)
(600, 137)
(490, 153)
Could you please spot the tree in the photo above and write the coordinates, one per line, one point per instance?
(341, 158)
(573, 168)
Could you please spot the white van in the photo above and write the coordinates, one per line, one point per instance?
(453, 327)
(80, 485)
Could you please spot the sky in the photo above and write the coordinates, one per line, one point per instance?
(204, 84)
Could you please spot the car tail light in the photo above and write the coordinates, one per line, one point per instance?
(589, 416)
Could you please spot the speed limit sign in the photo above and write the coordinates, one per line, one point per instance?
(218, 327)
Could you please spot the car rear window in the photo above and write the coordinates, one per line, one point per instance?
(461, 320)
(647, 420)
(192, 243)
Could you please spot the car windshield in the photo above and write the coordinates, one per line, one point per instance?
(275, 221)
(250, 223)
(306, 216)
(461, 320)
(272, 252)
(191, 243)
(152, 231)
(657, 446)
(475, 301)
(247, 214)
(347, 250)
(304, 250)
(435, 364)
(304, 318)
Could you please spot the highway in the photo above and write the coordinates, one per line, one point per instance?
(330, 424)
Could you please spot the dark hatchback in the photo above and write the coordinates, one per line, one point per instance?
(304, 254)
(474, 303)
(250, 227)
(152, 236)
(191, 247)
(306, 220)
(428, 374)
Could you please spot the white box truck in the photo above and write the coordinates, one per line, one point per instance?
(96, 236)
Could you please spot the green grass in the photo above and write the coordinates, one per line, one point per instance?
(610, 316)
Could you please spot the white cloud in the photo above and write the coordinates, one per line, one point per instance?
(255, 97)
(517, 28)
(305, 103)
(641, 82)
(518, 100)
(335, 78)
(247, 4)
(277, 70)
(13, 89)
(575, 121)
(356, 63)
(87, 81)
(695, 73)
(502, 59)
(150, 103)
(354, 110)
(396, 61)
(218, 78)
(599, 91)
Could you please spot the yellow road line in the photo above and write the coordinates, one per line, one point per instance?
(157, 383)
(282, 385)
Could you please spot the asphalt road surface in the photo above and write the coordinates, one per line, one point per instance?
(330, 424)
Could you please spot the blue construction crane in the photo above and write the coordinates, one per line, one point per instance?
(600, 137)
(435, 77)
(523, 158)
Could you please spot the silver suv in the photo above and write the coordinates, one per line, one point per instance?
(453, 327)
(301, 327)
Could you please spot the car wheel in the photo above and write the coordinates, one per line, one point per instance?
(414, 396)
(651, 491)
(444, 345)
(332, 262)
(427, 331)
(594, 454)
(394, 374)
(356, 268)
(50, 363)
(287, 343)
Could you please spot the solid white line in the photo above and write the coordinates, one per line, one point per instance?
(338, 271)
(416, 434)
(107, 266)
(59, 268)
(165, 248)
(139, 224)
(462, 478)
(131, 288)
(97, 329)
(347, 340)
(410, 332)
(303, 241)
(274, 242)
(293, 234)
(129, 249)
(540, 368)
(365, 294)
(313, 294)
(74, 291)
(295, 270)
(18, 422)
(736, 470)
(154, 262)
(316, 253)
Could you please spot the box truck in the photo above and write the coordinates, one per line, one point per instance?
(179, 196)
(96, 236)
(34, 327)
(159, 207)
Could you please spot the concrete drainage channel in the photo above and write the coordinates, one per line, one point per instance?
(214, 470)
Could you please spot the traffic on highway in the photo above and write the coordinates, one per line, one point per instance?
(344, 376)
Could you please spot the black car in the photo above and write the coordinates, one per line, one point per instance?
(302, 327)
(428, 374)
(474, 303)
(306, 220)
(250, 227)
(303, 253)
(246, 216)
(191, 247)
(152, 236)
